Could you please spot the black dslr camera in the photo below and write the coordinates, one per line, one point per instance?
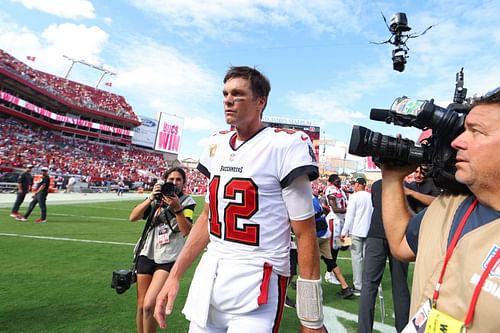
(168, 189)
(446, 125)
(122, 280)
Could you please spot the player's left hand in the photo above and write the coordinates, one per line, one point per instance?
(165, 301)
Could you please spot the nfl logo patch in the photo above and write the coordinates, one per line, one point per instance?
(495, 272)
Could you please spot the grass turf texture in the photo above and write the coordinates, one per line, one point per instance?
(49, 285)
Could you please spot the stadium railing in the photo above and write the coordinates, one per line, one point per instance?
(8, 187)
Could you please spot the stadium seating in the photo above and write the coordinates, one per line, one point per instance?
(74, 93)
(21, 144)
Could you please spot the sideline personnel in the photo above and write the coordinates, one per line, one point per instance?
(24, 183)
(456, 240)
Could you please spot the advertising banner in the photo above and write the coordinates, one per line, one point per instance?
(168, 136)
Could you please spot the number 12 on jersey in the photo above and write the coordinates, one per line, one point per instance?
(224, 220)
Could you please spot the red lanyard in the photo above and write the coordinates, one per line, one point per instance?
(158, 210)
(479, 285)
(449, 253)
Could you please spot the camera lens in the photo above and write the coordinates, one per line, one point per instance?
(168, 189)
(120, 290)
(365, 142)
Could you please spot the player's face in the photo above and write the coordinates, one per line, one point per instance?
(241, 108)
(477, 149)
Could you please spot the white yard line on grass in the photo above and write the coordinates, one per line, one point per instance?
(66, 239)
(92, 217)
(333, 324)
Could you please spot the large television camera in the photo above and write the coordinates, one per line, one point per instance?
(446, 124)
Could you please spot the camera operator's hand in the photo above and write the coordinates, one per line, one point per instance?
(155, 192)
(165, 301)
(172, 201)
(396, 172)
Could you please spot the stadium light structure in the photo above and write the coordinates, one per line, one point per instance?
(103, 71)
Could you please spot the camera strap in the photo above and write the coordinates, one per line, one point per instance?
(171, 215)
(147, 227)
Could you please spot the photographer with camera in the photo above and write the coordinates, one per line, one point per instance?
(169, 214)
(456, 240)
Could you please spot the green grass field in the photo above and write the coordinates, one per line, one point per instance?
(51, 283)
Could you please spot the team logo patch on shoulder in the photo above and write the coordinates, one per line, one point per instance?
(212, 149)
(495, 272)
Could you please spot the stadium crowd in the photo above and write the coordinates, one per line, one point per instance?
(94, 163)
(74, 93)
(21, 144)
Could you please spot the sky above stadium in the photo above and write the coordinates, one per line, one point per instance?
(171, 56)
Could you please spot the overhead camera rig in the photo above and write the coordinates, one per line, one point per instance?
(398, 27)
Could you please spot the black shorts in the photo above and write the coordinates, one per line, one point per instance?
(148, 266)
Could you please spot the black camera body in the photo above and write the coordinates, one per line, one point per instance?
(122, 280)
(446, 125)
(168, 189)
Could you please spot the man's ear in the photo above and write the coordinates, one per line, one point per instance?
(261, 103)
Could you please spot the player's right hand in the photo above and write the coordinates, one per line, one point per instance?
(165, 301)
(304, 329)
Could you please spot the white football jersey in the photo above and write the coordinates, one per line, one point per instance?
(340, 199)
(248, 217)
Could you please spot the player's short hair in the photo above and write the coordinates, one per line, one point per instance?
(333, 177)
(259, 83)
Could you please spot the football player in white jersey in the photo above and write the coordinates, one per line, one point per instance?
(259, 186)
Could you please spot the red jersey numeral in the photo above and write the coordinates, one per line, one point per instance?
(245, 208)
(213, 188)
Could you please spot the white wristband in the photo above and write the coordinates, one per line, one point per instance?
(310, 303)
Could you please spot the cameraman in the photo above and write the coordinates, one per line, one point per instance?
(170, 217)
(448, 272)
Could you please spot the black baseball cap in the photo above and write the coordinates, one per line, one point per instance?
(361, 181)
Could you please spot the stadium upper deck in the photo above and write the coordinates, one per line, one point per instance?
(79, 96)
